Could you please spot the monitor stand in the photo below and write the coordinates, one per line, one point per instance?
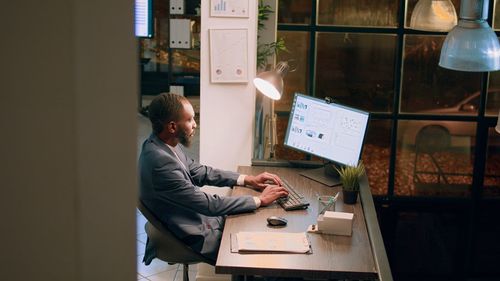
(326, 175)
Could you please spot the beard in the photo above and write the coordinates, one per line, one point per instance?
(184, 138)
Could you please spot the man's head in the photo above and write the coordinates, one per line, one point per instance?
(172, 119)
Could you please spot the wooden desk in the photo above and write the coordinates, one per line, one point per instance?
(333, 257)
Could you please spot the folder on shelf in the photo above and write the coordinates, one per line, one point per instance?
(270, 242)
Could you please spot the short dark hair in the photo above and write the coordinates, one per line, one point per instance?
(165, 108)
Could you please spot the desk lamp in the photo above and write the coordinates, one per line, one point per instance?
(471, 45)
(270, 84)
(433, 15)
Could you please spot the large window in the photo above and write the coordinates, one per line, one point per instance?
(362, 53)
(430, 143)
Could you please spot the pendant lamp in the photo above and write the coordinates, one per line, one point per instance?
(471, 45)
(433, 15)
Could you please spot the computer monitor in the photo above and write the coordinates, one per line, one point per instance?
(143, 18)
(330, 131)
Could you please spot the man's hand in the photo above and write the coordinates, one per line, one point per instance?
(259, 181)
(271, 193)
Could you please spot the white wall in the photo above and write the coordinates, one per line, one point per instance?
(227, 110)
(68, 143)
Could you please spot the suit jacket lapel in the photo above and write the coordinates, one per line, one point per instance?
(180, 154)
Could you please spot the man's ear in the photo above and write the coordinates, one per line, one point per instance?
(171, 127)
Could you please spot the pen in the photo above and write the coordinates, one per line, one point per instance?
(335, 197)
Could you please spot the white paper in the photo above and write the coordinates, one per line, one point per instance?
(273, 242)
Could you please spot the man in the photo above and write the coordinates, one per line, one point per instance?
(170, 181)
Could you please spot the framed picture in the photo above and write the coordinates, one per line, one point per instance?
(228, 55)
(229, 8)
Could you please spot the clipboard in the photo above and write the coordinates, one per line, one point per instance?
(270, 242)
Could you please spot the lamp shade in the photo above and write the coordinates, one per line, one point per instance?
(471, 45)
(270, 83)
(433, 15)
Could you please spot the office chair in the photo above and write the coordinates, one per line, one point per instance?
(168, 247)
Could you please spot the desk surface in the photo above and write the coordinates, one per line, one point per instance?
(333, 256)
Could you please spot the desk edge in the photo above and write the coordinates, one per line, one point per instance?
(376, 241)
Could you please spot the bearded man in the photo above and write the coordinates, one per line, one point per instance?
(170, 181)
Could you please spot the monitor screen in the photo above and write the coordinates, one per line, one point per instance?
(328, 130)
(143, 18)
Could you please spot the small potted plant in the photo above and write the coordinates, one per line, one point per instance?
(349, 177)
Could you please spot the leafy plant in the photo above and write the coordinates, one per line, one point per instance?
(269, 49)
(264, 12)
(349, 176)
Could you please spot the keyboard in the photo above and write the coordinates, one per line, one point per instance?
(294, 200)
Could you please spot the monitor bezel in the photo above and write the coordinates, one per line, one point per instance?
(327, 103)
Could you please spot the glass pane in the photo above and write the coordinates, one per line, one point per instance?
(381, 13)
(298, 56)
(493, 97)
(410, 5)
(492, 170)
(425, 243)
(434, 158)
(356, 69)
(487, 244)
(294, 11)
(283, 152)
(186, 61)
(376, 152)
(428, 88)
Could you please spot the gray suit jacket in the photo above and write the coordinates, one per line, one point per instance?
(172, 192)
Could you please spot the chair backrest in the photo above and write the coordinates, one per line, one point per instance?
(168, 247)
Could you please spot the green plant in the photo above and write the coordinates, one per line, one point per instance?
(269, 49)
(349, 176)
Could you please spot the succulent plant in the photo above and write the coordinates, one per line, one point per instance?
(349, 176)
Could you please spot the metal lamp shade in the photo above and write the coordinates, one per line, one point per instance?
(433, 15)
(471, 45)
(270, 84)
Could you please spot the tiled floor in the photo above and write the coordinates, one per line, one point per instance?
(158, 270)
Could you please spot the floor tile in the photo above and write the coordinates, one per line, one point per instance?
(143, 237)
(141, 248)
(191, 273)
(155, 267)
(165, 276)
(141, 221)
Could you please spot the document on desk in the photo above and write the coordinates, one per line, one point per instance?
(280, 242)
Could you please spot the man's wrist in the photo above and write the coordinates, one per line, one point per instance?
(241, 180)
(257, 201)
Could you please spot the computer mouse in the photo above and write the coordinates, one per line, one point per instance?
(276, 221)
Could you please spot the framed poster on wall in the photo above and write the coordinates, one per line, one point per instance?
(229, 8)
(228, 55)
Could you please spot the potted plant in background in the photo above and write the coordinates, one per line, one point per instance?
(266, 50)
(349, 177)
